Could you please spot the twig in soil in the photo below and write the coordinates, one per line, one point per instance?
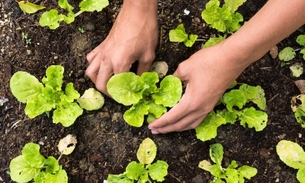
(273, 97)
(15, 124)
(174, 177)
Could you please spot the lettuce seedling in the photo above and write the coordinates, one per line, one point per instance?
(48, 95)
(289, 53)
(223, 18)
(31, 165)
(231, 174)
(293, 155)
(179, 35)
(52, 18)
(298, 107)
(144, 95)
(235, 101)
(145, 170)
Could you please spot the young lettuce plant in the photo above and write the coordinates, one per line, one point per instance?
(298, 107)
(231, 174)
(223, 18)
(293, 155)
(143, 94)
(52, 18)
(32, 166)
(145, 170)
(48, 95)
(179, 35)
(235, 101)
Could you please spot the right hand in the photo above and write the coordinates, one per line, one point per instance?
(133, 37)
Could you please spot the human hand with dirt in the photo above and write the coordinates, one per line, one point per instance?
(210, 71)
(133, 37)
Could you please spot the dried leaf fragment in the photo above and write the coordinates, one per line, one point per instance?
(67, 144)
(301, 85)
(274, 51)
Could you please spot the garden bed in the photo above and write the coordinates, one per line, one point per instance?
(106, 143)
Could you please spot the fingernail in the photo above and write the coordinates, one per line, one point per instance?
(154, 132)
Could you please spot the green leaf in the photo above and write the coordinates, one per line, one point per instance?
(156, 109)
(178, 34)
(191, 40)
(247, 171)
(38, 106)
(150, 79)
(29, 7)
(170, 91)
(91, 100)
(51, 19)
(301, 175)
(158, 170)
(255, 94)
(296, 69)
(291, 153)
(54, 77)
(217, 16)
(134, 116)
(32, 155)
(21, 170)
(52, 165)
(147, 151)
(301, 40)
(71, 93)
(25, 87)
(287, 54)
(67, 114)
(299, 116)
(64, 4)
(233, 98)
(125, 88)
(213, 41)
(134, 170)
(121, 178)
(250, 117)
(216, 153)
(234, 4)
(303, 52)
(207, 130)
(231, 175)
(93, 5)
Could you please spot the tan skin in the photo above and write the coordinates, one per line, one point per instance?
(207, 74)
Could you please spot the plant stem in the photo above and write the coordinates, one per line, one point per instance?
(78, 13)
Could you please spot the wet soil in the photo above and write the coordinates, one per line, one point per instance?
(106, 144)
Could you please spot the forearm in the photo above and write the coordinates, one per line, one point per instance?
(275, 21)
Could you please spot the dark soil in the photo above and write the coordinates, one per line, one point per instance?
(106, 144)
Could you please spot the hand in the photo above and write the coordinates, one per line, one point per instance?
(133, 37)
(208, 74)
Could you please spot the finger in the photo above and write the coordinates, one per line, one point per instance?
(104, 74)
(90, 56)
(172, 116)
(93, 70)
(145, 63)
(186, 123)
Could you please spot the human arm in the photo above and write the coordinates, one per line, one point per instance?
(133, 37)
(210, 71)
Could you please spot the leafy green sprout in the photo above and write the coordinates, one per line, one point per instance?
(49, 95)
(179, 35)
(245, 104)
(223, 18)
(231, 174)
(293, 155)
(52, 18)
(144, 170)
(289, 53)
(145, 95)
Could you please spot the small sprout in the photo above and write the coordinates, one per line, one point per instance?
(296, 69)
(180, 36)
(287, 54)
(67, 144)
